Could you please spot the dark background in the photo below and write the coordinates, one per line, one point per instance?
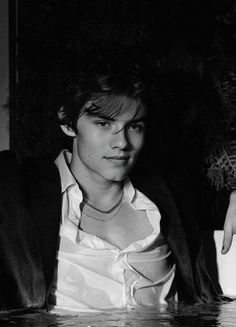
(190, 46)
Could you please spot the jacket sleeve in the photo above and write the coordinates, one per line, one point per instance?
(180, 227)
(21, 277)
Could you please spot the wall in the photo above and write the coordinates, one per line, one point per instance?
(4, 79)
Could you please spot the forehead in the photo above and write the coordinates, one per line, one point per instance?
(115, 105)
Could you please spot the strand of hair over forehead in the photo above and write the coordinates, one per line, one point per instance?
(111, 105)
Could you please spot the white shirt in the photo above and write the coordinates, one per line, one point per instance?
(94, 274)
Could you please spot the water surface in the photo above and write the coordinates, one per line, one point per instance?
(197, 315)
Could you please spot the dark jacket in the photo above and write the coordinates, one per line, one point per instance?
(30, 211)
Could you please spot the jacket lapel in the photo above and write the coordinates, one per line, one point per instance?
(45, 193)
(157, 190)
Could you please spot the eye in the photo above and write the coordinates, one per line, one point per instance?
(137, 127)
(102, 123)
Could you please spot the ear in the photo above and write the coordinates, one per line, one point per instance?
(68, 131)
(65, 128)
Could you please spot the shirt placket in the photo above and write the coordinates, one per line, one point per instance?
(130, 278)
(73, 211)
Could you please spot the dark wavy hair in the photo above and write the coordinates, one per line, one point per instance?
(106, 81)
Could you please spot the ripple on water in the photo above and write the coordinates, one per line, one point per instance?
(210, 315)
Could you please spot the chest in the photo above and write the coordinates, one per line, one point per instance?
(122, 229)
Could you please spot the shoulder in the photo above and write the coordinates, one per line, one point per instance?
(10, 166)
(18, 178)
(10, 174)
(152, 185)
(41, 168)
(8, 162)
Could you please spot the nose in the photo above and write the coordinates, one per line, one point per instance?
(119, 139)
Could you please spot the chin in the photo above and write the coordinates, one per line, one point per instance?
(119, 178)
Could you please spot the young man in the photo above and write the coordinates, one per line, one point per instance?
(75, 233)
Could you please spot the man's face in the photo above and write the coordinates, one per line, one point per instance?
(107, 148)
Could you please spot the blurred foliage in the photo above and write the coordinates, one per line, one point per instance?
(222, 167)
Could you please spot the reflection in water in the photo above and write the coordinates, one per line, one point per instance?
(227, 314)
(198, 315)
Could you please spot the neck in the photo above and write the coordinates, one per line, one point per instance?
(102, 197)
(100, 193)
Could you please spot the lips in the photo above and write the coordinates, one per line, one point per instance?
(118, 158)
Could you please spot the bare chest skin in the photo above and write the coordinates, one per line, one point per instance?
(122, 229)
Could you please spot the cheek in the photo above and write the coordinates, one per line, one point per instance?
(89, 146)
(138, 142)
(86, 140)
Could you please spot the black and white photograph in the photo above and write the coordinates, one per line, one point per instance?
(117, 163)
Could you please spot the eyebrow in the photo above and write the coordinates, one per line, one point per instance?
(139, 120)
(102, 117)
(112, 119)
